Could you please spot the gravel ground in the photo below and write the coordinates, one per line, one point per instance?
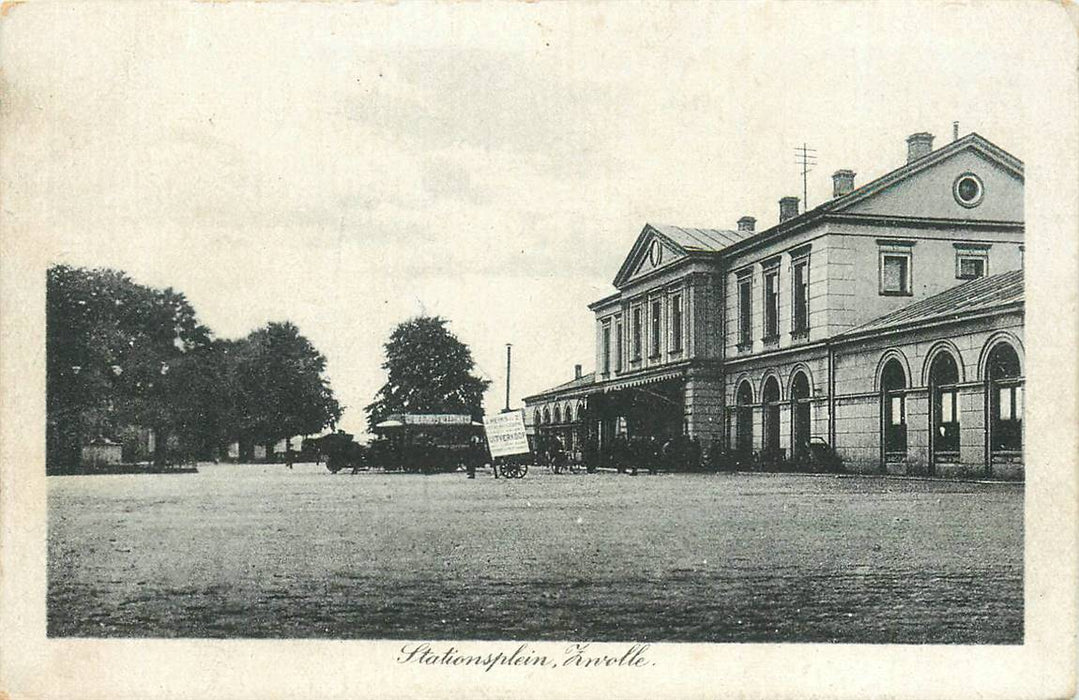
(262, 551)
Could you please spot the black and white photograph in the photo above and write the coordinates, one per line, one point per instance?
(581, 349)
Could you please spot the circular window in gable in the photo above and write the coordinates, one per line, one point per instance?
(655, 253)
(968, 190)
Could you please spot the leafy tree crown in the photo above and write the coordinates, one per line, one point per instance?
(428, 371)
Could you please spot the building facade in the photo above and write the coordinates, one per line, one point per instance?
(886, 322)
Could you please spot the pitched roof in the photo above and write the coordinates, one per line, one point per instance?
(583, 380)
(700, 239)
(982, 294)
(971, 140)
(686, 240)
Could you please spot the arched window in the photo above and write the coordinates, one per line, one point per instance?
(557, 414)
(800, 416)
(943, 377)
(580, 412)
(547, 416)
(536, 418)
(770, 398)
(744, 419)
(1005, 388)
(893, 384)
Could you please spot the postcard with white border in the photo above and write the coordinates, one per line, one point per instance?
(539, 349)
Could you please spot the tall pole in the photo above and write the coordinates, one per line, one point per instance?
(807, 158)
(509, 349)
(805, 182)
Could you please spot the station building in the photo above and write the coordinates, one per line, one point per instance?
(888, 321)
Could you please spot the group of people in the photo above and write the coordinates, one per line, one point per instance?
(626, 454)
(678, 453)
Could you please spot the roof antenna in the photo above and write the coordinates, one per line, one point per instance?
(955, 131)
(807, 158)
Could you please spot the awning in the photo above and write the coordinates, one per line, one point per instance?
(631, 382)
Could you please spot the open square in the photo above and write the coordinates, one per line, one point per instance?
(262, 551)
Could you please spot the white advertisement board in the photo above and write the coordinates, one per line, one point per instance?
(436, 419)
(506, 433)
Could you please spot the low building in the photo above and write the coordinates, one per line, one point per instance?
(887, 322)
(101, 452)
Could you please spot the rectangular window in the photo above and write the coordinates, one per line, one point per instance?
(895, 273)
(637, 333)
(606, 349)
(745, 308)
(1007, 429)
(970, 267)
(676, 323)
(657, 326)
(1006, 404)
(1010, 403)
(618, 347)
(947, 407)
(971, 260)
(771, 304)
(801, 297)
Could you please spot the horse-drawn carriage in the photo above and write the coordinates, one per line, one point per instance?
(341, 451)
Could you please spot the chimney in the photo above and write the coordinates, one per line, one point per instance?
(919, 145)
(788, 208)
(747, 223)
(576, 371)
(955, 131)
(842, 182)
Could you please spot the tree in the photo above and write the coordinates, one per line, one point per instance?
(429, 371)
(281, 391)
(109, 345)
(123, 358)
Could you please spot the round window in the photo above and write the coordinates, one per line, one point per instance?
(968, 190)
(655, 254)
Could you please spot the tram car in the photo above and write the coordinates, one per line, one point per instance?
(428, 443)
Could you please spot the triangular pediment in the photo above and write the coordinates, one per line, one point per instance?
(969, 179)
(650, 252)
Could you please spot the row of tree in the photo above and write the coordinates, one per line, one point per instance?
(124, 359)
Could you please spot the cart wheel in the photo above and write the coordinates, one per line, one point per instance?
(521, 471)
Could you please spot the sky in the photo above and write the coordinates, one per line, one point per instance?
(348, 166)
